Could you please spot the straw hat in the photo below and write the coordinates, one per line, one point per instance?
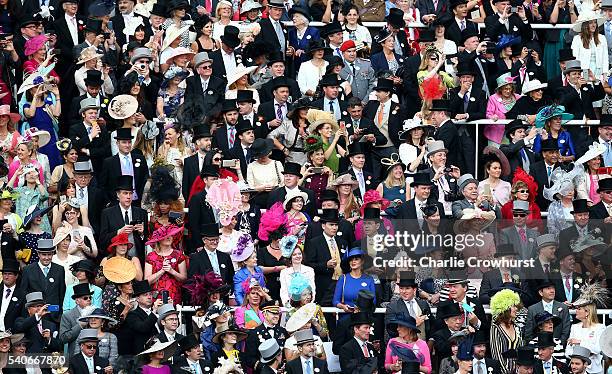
(119, 270)
(225, 329)
(122, 106)
(469, 215)
(43, 136)
(87, 54)
(240, 71)
(171, 34)
(587, 16)
(318, 117)
(301, 316)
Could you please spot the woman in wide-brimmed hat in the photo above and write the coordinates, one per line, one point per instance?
(407, 337)
(119, 293)
(474, 222)
(107, 343)
(291, 134)
(85, 272)
(8, 341)
(119, 247)
(264, 174)
(349, 205)
(171, 95)
(35, 50)
(166, 267)
(412, 151)
(500, 103)
(324, 124)
(90, 59)
(354, 264)
(588, 180)
(303, 319)
(227, 336)
(155, 357)
(496, 167)
(239, 80)
(294, 204)
(528, 105)
(551, 119)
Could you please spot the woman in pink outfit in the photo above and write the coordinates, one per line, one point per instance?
(499, 104)
(36, 52)
(407, 338)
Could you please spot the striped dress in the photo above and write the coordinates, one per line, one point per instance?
(501, 342)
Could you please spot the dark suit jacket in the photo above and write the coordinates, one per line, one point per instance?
(112, 220)
(64, 39)
(396, 119)
(410, 87)
(279, 194)
(218, 65)
(561, 330)
(209, 103)
(316, 256)
(398, 306)
(295, 366)
(453, 32)
(180, 366)
(554, 84)
(517, 27)
(581, 105)
(427, 7)
(268, 35)
(577, 280)
(319, 104)
(99, 147)
(200, 212)
(256, 336)
(447, 132)
(38, 344)
(490, 280)
(475, 107)
(513, 154)
(96, 202)
(199, 263)
(53, 287)
(314, 229)
(237, 153)
(191, 170)
(139, 327)
(561, 367)
(221, 141)
(79, 366)
(351, 353)
(598, 211)
(15, 306)
(538, 171)
(111, 171)
(370, 182)
(265, 91)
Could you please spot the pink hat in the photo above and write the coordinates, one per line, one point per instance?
(34, 44)
(5, 110)
(163, 233)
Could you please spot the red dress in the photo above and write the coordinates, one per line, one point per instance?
(177, 239)
(166, 281)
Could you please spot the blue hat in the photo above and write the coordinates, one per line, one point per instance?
(465, 351)
(551, 111)
(403, 319)
(507, 41)
(402, 352)
(428, 285)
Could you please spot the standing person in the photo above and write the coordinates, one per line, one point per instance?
(408, 337)
(307, 362)
(408, 304)
(546, 292)
(69, 325)
(166, 267)
(357, 71)
(271, 356)
(204, 90)
(269, 328)
(13, 297)
(9, 136)
(209, 258)
(353, 280)
(446, 131)
(89, 196)
(505, 334)
(192, 165)
(358, 348)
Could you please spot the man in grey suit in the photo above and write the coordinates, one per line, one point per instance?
(546, 290)
(409, 304)
(357, 71)
(519, 235)
(69, 325)
(468, 186)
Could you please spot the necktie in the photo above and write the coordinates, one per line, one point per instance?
(435, 4)
(232, 136)
(279, 112)
(338, 53)
(480, 370)
(381, 114)
(81, 194)
(485, 86)
(547, 367)
(331, 107)
(411, 309)
(549, 171)
(466, 101)
(462, 24)
(126, 218)
(8, 293)
(214, 261)
(196, 368)
(548, 307)
(361, 182)
(366, 353)
(568, 287)
(279, 34)
(46, 271)
(248, 155)
(308, 368)
(353, 68)
(89, 128)
(522, 234)
(506, 277)
(547, 269)
(524, 154)
(90, 364)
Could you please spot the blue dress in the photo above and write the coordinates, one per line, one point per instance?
(240, 276)
(391, 194)
(311, 33)
(350, 287)
(566, 146)
(42, 121)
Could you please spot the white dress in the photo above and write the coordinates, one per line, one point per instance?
(309, 76)
(70, 279)
(589, 338)
(285, 280)
(360, 35)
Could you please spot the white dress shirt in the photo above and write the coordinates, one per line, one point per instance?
(6, 299)
(229, 61)
(73, 28)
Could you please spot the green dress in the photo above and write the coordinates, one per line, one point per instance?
(333, 162)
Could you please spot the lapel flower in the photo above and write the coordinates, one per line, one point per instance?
(578, 280)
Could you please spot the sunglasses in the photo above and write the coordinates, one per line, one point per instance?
(206, 67)
(523, 191)
(216, 159)
(86, 297)
(606, 192)
(519, 214)
(91, 346)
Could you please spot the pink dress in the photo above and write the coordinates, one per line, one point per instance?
(246, 318)
(495, 106)
(167, 281)
(420, 349)
(31, 66)
(15, 165)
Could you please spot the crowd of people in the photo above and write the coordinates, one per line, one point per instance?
(207, 186)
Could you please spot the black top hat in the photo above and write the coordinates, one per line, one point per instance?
(245, 96)
(124, 133)
(371, 214)
(514, 125)
(455, 3)
(329, 215)
(332, 62)
(525, 356)
(331, 28)
(396, 18)
(93, 25)
(465, 68)
(86, 265)
(604, 185)
(605, 120)
(315, 45)
(360, 318)
(358, 148)
(209, 230)
(421, 179)
(230, 36)
(448, 309)
(229, 105)
(80, 290)
(549, 144)
(566, 54)
(328, 195)
(188, 342)
(275, 56)
(330, 80)
(293, 168)
(29, 20)
(261, 147)
(177, 4)
(384, 84)
(563, 251)
(242, 126)
(10, 265)
(468, 33)
(407, 279)
(580, 206)
(159, 9)
(543, 283)
(93, 78)
(505, 250)
(201, 131)
(209, 171)
(125, 182)
(481, 337)
(544, 316)
(140, 287)
(427, 36)
(301, 10)
(441, 105)
(281, 81)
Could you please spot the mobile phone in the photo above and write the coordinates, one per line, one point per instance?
(229, 163)
(76, 234)
(175, 215)
(53, 308)
(135, 222)
(514, 9)
(585, 74)
(110, 25)
(47, 87)
(342, 125)
(165, 296)
(317, 170)
(106, 35)
(63, 198)
(487, 190)
(56, 51)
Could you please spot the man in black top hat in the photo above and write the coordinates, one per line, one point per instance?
(494, 279)
(225, 59)
(582, 225)
(225, 136)
(357, 348)
(518, 153)
(208, 258)
(69, 324)
(330, 102)
(245, 102)
(93, 37)
(125, 162)
(271, 114)
(276, 65)
(568, 282)
(560, 80)
(140, 322)
(329, 200)
(323, 254)
(200, 212)
(409, 304)
(451, 317)
(364, 303)
(245, 136)
(365, 179)
(333, 33)
(12, 298)
(546, 363)
(603, 209)
(466, 100)
(448, 133)
(474, 54)
(192, 358)
(291, 176)
(481, 363)
(459, 22)
(361, 129)
(126, 13)
(192, 166)
(93, 84)
(542, 170)
(412, 210)
(273, 31)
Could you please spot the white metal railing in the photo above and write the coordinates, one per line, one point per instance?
(535, 26)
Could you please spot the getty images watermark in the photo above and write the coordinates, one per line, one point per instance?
(460, 243)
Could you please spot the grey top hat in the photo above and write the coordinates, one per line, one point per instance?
(573, 65)
(45, 245)
(200, 58)
(303, 336)
(268, 350)
(466, 179)
(88, 335)
(520, 205)
(141, 53)
(436, 146)
(606, 4)
(34, 298)
(165, 310)
(581, 352)
(546, 239)
(82, 167)
(89, 103)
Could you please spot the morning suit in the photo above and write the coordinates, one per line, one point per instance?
(237, 153)
(111, 171)
(265, 92)
(563, 293)
(560, 331)
(360, 75)
(410, 87)
(99, 147)
(200, 212)
(368, 178)
(112, 220)
(453, 31)
(474, 107)
(64, 42)
(53, 286)
(316, 255)
(399, 306)
(204, 103)
(30, 327)
(539, 173)
(295, 366)
(258, 335)
(598, 211)
(491, 280)
(16, 303)
(447, 132)
(199, 263)
(314, 229)
(515, 153)
(96, 202)
(395, 120)
(268, 35)
(191, 170)
(139, 328)
(351, 354)
(218, 65)
(557, 367)
(516, 27)
(524, 249)
(70, 327)
(181, 366)
(78, 364)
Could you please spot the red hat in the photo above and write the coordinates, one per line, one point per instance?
(347, 45)
(164, 232)
(118, 240)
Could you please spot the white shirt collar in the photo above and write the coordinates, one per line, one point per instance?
(42, 267)
(544, 303)
(146, 310)
(327, 238)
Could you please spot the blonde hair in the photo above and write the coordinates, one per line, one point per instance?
(592, 317)
(146, 146)
(222, 3)
(390, 182)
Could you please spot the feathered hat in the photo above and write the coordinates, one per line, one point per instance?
(312, 143)
(163, 186)
(592, 294)
(244, 248)
(273, 223)
(502, 301)
(532, 186)
(201, 286)
(297, 285)
(563, 182)
(287, 245)
(224, 196)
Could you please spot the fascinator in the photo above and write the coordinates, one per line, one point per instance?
(532, 186)
(297, 285)
(8, 193)
(163, 186)
(312, 143)
(563, 182)
(502, 301)
(273, 223)
(391, 162)
(594, 293)
(224, 196)
(244, 248)
(549, 112)
(63, 145)
(287, 245)
(201, 286)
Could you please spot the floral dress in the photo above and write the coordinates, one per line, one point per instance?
(166, 281)
(171, 103)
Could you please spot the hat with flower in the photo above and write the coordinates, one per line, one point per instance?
(224, 196)
(8, 193)
(312, 143)
(244, 248)
(249, 283)
(287, 245)
(201, 286)
(549, 112)
(374, 197)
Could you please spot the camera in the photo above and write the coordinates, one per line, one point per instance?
(56, 51)
(106, 35)
(141, 66)
(447, 170)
